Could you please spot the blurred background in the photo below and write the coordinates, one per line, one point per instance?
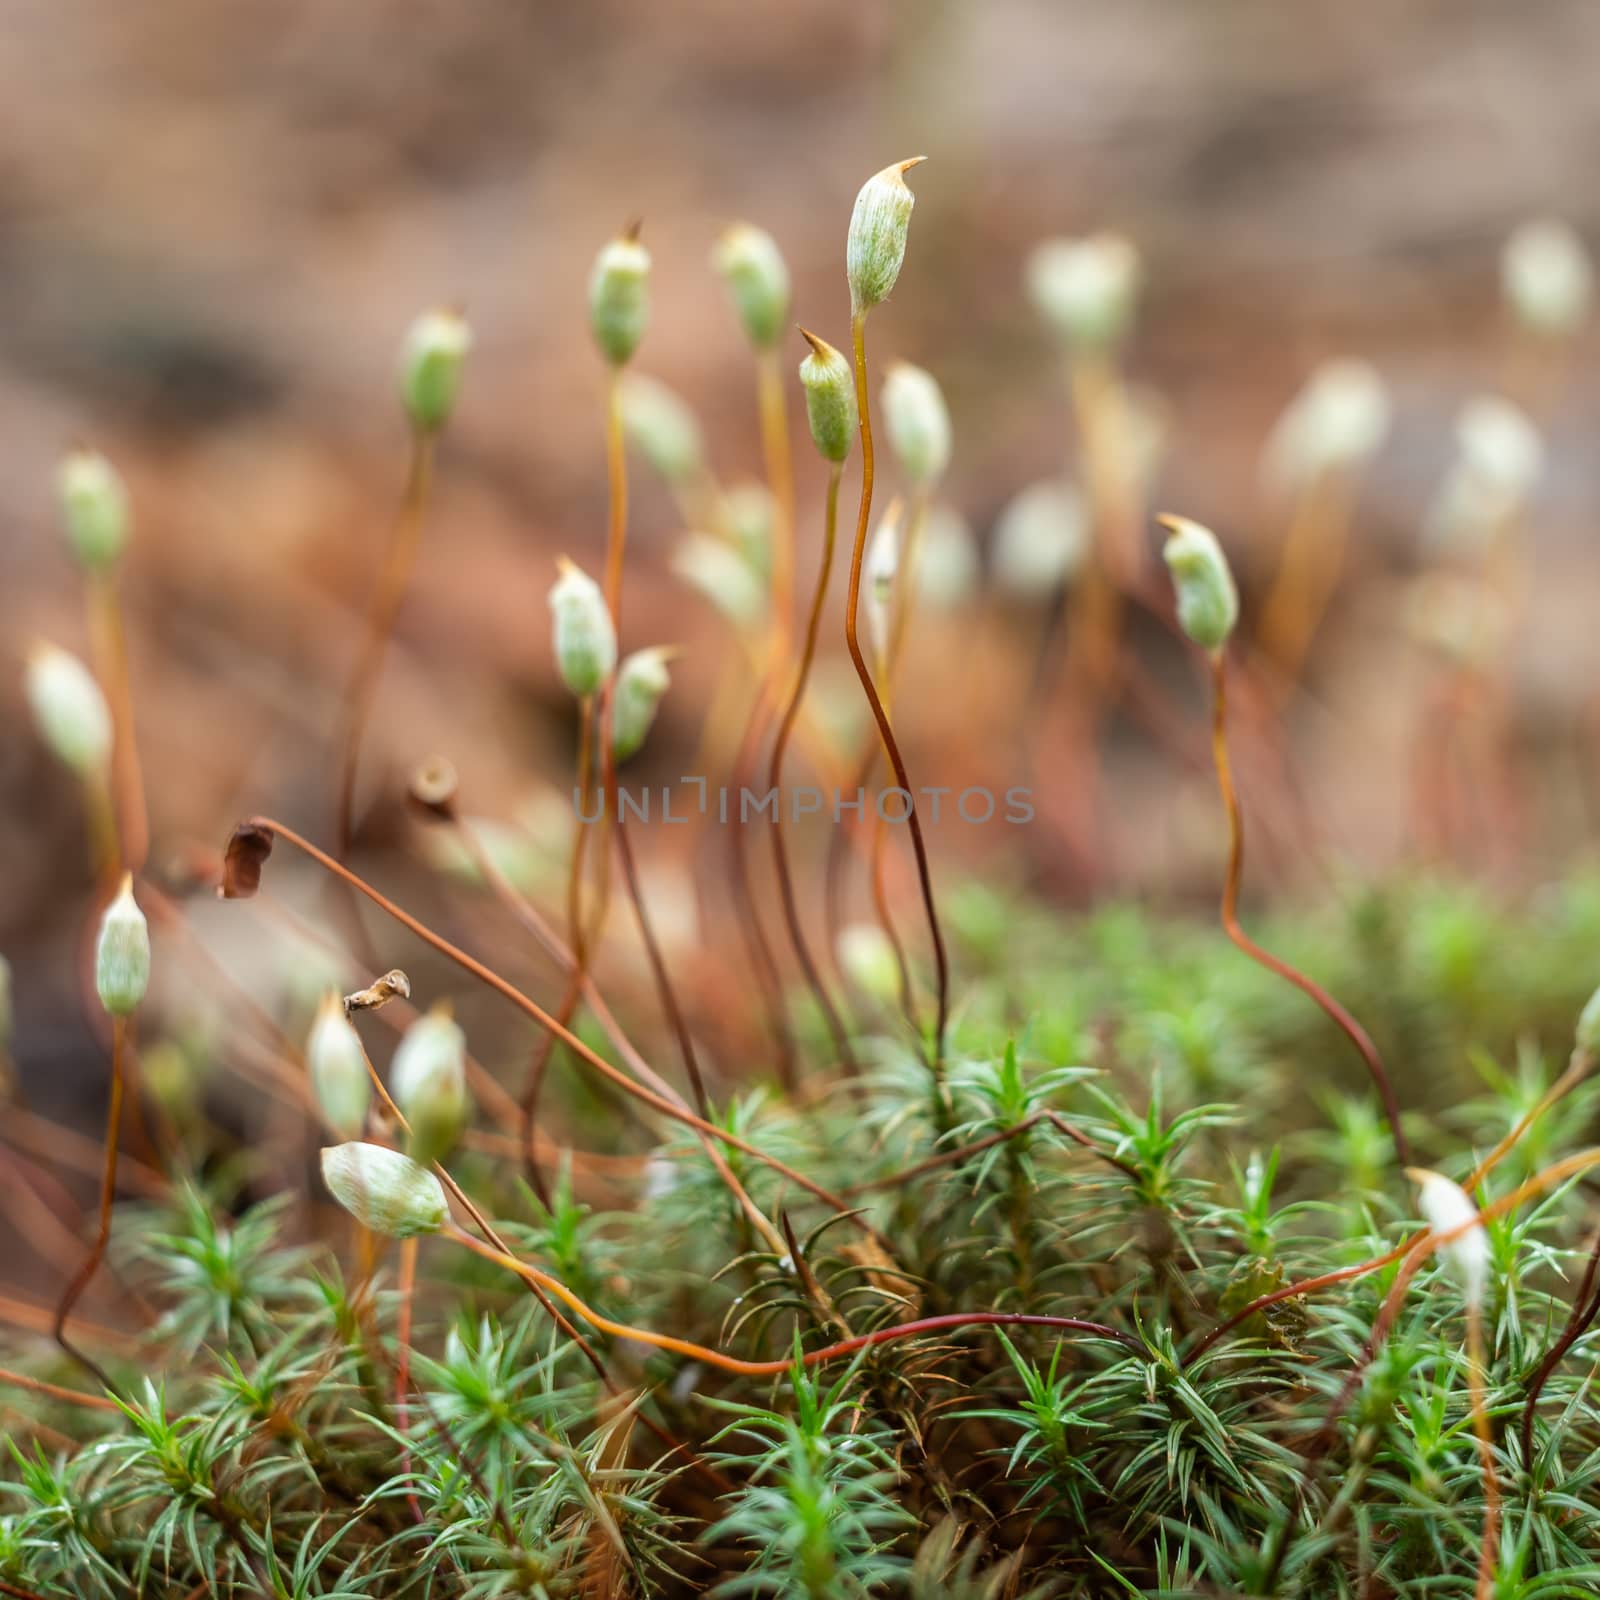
(216, 224)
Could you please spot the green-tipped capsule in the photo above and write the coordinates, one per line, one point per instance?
(830, 398)
(1547, 277)
(122, 953)
(69, 710)
(867, 959)
(94, 507)
(431, 359)
(1208, 602)
(875, 247)
(619, 298)
(749, 259)
(384, 1190)
(1588, 1030)
(642, 680)
(585, 640)
(428, 1079)
(723, 576)
(1086, 289)
(338, 1068)
(1041, 540)
(918, 421)
(663, 428)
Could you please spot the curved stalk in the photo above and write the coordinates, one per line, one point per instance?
(1347, 1024)
(660, 1103)
(780, 745)
(773, 1369)
(858, 333)
(108, 1190)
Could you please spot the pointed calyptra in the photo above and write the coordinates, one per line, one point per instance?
(619, 297)
(642, 680)
(69, 710)
(94, 508)
(122, 953)
(1208, 601)
(428, 1079)
(338, 1068)
(585, 640)
(830, 398)
(384, 1190)
(918, 421)
(431, 359)
(875, 247)
(1445, 1207)
(758, 279)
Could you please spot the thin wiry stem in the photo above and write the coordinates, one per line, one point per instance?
(55, 1391)
(773, 1369)
(391, 590)
(658, 971)
(660, 1103)
(858, 332)
(1347, 1024)
(780, 744)
(947, 1158)
(1585, 1307)
(539, 1065)
(758, 947)
(888, 665)
(773, 406)
(528, 915)
(108, 1191)
(611, 816)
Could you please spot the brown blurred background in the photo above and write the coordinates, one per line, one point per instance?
(216, 222)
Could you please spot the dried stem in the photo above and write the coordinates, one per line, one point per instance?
(71, 1397)
(660, 1103)
(108, 1191)
(1352, 1030)
(773, 1369)
(858, 331)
